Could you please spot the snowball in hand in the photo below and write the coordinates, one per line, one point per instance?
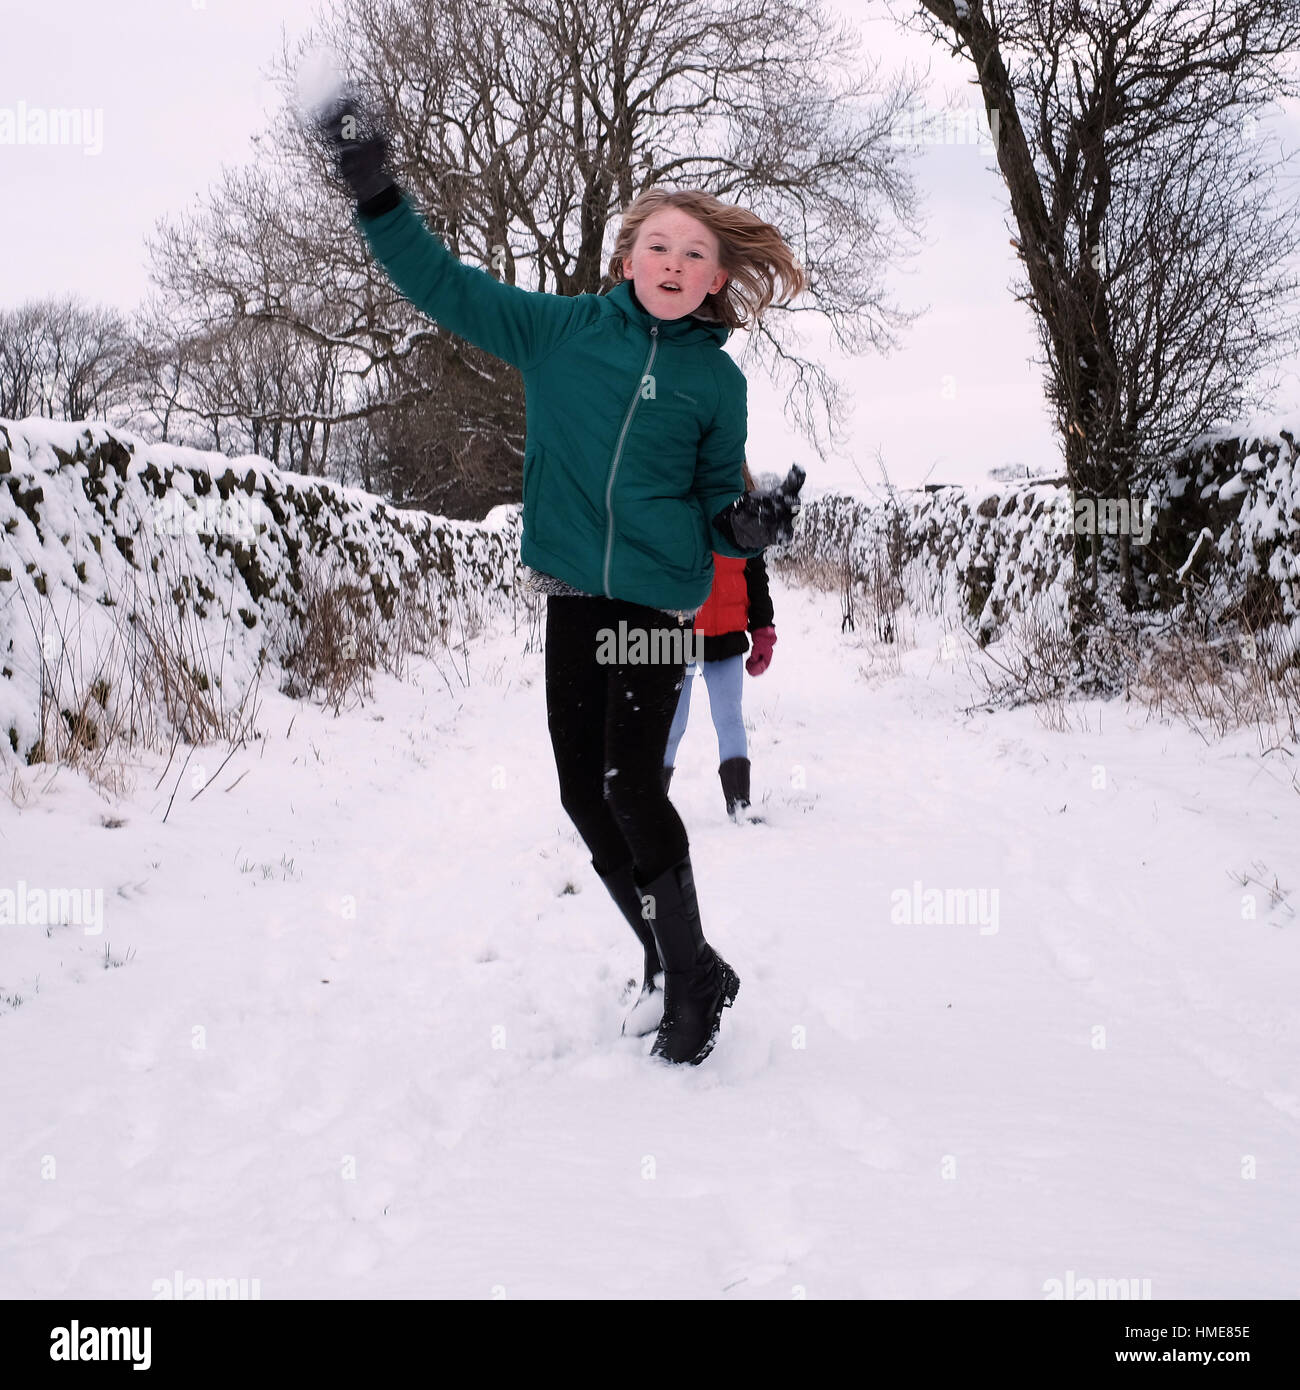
(320, 81)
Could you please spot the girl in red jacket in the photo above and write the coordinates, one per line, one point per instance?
(739, 601)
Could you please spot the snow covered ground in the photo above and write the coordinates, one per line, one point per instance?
(366, 1043)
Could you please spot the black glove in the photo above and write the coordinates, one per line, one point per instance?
(356, 142)
(760, 519)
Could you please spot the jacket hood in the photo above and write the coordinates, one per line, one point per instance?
(691, 328)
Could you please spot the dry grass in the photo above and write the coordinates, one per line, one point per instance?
(343, 637)
(338, 640)
(1224, 678)
(1034, 663)
(77, 727)
(135, 670)
(1215, 677)
(183, 671)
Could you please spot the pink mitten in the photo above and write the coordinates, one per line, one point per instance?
(761, 657)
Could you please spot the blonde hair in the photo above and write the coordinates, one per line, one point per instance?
(751, 251)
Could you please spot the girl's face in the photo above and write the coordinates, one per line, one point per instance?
(673, 248)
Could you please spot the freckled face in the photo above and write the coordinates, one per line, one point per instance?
(674, 249)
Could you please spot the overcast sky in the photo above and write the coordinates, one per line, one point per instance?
(180, 88)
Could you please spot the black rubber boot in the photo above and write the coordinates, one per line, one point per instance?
(645, 1014)
(734, 776)
(668, 776)
(698, 983)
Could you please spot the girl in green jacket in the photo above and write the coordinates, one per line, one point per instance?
(633, 458)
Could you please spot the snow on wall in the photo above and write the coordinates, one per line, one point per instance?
(88, 511)
(975, 551)
(984, 552)
(1244, 487)
(96, 521)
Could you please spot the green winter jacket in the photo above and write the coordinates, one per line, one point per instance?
(635, 425)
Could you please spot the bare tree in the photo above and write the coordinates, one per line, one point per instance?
(236, 383)
(1147, 224)
(21, 339)
(160, 365)
(274, 391)
(522, 128)
(64, 359)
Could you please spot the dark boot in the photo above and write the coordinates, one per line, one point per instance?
(734, 776)
(698, 983)
(667, 776)
(645, 1015)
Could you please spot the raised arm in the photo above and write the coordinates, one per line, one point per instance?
(519, 326)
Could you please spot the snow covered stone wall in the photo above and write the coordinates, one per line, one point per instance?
(1230, 505)
(977, 552)
(1234, 500)
(105, 536)
(99, 527)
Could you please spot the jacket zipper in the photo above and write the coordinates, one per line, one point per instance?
(618, 453)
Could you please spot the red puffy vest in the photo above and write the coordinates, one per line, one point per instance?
(727, 607)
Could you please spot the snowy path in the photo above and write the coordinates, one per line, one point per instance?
(427, 1096)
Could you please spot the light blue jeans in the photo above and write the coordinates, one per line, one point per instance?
(724, 680)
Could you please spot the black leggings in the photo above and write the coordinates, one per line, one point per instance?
(609, 728)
